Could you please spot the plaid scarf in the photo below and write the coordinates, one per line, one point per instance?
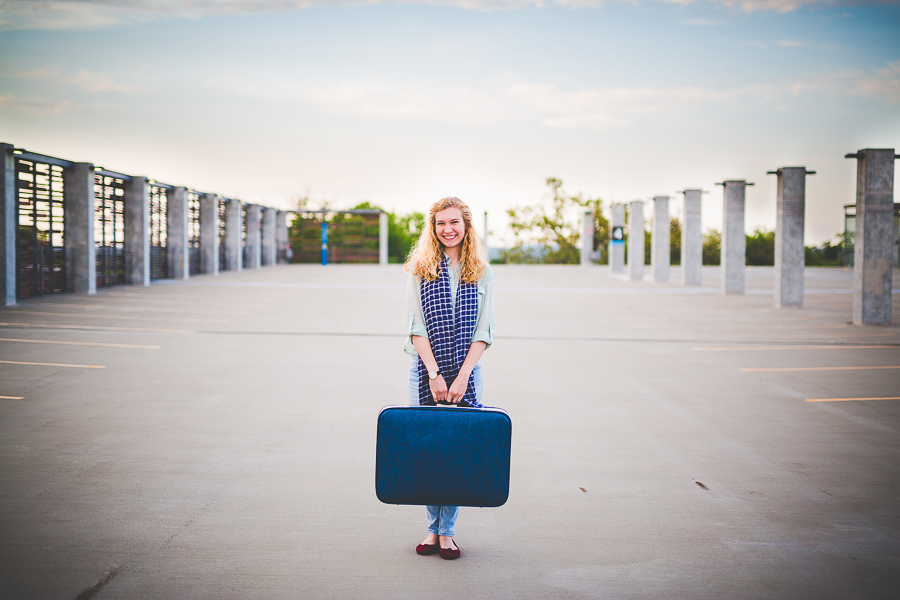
(450, 337)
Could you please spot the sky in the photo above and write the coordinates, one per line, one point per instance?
(403, 103)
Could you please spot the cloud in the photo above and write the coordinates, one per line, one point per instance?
(791, 43)
(63, 14)
(85, 80)
(547, 104)
(99, 82)
(96, 14)
(882, 83)
(45, 72)
(33, 105)
(702, 22)
(507, 101)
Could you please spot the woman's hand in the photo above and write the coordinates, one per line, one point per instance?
(438, 388)
(461, 383)
(458, 389)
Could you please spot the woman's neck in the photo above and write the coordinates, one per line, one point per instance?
(453, 253)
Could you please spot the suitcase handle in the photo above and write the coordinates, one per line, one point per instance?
(445, 403)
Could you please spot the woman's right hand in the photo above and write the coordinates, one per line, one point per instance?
(438, 388)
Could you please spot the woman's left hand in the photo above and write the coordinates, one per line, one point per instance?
(458, 389)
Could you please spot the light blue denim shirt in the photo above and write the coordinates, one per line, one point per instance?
(484, 320)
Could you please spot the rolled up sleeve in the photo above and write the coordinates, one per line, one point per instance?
(415, 317)
(484, 326)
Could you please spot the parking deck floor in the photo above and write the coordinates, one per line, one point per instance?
(214, 438)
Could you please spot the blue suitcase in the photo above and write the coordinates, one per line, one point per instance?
(413, 465)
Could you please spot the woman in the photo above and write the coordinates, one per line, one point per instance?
(451, 313)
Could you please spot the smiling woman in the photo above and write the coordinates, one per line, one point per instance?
(451, 314)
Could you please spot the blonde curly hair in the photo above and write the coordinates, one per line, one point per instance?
(425, 258)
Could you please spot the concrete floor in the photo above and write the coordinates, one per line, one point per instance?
(226, 449)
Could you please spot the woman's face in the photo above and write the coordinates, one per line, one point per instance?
(450, 227)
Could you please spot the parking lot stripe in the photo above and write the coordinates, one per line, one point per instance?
(108, 345)
(128, 317)
(818, 369)
(102, 306)
(96, 327)
(786, 347)
(850, 399)
(43, 364)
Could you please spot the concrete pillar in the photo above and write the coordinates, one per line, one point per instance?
(137, 231)
(233, 246)
(177, 243)
(209, 234)
(382, 239)
(617, 238)
(660, 242)
(789, 251)
(269, 248)
(874, 240)
(692, 239)
(78, 223)
(282, 239)
(254, 239)
(734, 241)
(8, 224)
(636, 240)
(587, 238)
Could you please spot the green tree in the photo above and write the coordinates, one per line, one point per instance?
(675, 241)
(826, 255)
(648, 243)
(555, 234)
(712, 247)
(601, 231)
(403, 231)
(761, 248)
(520, 255)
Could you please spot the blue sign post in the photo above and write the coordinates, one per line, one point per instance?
(324, 242)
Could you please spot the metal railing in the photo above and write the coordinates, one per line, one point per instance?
(245, 252)
(40, 244)
(109, 226)
(193, 204)
(223, 250)
(159, 256)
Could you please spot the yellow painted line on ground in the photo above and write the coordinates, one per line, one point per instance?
(130, 318)
(828, 347)
(42, 364)
(80, 343)
(843, 335)
(817, 369)
(849, 399)
(97, 327)
(12, 397)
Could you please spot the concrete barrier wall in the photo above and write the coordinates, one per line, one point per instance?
(79, 224)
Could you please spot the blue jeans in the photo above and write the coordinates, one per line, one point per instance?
(441, 519)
